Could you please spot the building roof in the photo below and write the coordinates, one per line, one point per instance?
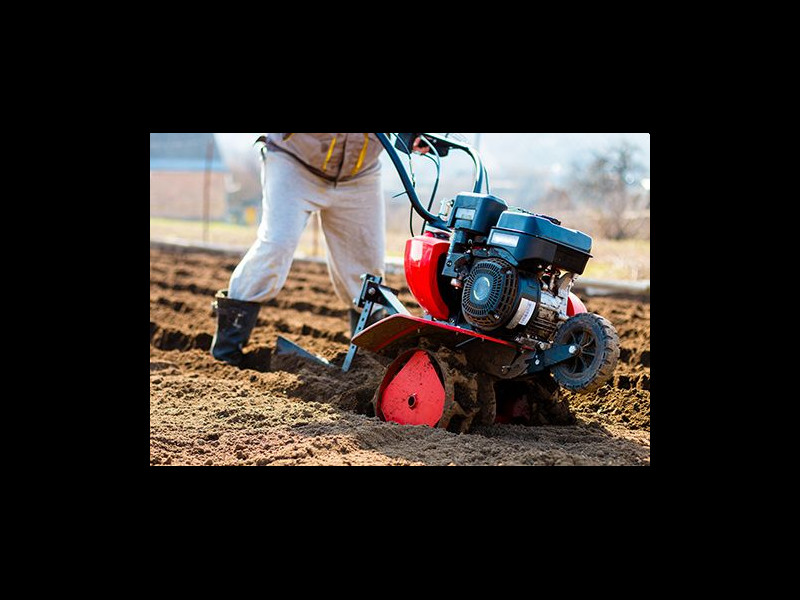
(184, 152)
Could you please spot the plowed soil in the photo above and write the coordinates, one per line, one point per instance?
(280, 411)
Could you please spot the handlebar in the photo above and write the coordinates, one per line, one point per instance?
(434, 220)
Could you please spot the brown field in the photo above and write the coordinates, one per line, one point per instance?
(276, 411)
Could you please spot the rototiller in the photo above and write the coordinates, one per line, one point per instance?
(502, 332)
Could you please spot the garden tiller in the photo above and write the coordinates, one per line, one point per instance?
(502, 333)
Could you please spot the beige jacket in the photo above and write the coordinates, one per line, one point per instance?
(334, 156)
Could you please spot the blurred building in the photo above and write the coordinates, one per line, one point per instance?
(179, 165)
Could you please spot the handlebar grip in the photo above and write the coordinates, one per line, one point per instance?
(405, 143)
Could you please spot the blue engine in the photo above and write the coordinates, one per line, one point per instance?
(514, 268)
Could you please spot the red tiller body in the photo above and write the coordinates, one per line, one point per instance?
(423, 263)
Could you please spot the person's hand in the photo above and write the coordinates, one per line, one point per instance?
(420, 146)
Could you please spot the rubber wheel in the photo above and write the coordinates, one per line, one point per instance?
(597, 356)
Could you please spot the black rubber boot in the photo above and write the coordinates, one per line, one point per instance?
(235, 323)
(377, 315)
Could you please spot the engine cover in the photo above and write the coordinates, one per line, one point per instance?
(497, 296)
(491, 294)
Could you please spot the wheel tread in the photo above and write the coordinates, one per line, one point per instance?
(608, 345)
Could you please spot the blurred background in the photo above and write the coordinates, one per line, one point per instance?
(205, 188)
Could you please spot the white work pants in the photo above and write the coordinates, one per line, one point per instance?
(353, 218)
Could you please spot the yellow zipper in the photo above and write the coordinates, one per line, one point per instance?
(361, 156)
(330, 153)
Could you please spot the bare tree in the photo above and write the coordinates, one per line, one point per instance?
(611, 187)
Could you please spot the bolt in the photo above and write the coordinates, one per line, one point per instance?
(371, 291)
(573, 349)
(538, 362)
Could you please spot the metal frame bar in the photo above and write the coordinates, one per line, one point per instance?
(373, 294)
(543, 360)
